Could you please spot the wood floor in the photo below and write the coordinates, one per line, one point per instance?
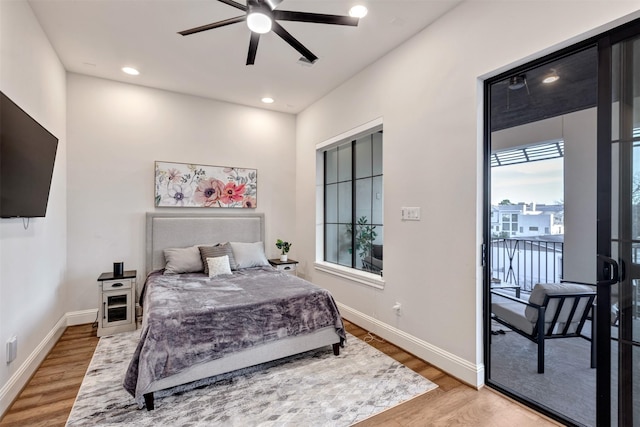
(47, 399)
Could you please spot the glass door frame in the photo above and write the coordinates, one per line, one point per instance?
(629, 271)
(604, 43)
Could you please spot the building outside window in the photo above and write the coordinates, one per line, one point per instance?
(353, 203)
(510, 223)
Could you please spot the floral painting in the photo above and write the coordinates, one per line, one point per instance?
(190, 185)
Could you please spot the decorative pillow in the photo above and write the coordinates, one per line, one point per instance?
(218, 250)
(218, 265)
(249, 254)
(182, 260)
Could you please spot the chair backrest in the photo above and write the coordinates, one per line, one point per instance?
(567, 305)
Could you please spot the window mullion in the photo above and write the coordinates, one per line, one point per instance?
(353, 204)
(324, 202)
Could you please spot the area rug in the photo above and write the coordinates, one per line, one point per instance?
(314, 388)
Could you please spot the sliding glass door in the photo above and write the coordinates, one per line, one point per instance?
(619, 317)
(579, 108)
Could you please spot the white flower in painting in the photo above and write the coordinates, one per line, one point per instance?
(178, 194)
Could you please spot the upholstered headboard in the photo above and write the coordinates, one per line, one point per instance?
(169, 230)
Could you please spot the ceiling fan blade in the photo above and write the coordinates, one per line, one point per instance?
(277, 28)
(253, 48)
(213, 25)
(318, 18)
(234, 4)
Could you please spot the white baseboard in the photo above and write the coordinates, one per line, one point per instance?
(19, 379)
(450, 363)
(82, 317)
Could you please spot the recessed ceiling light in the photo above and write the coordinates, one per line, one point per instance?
(551, 77)
(267, 100)
(130, 71)
(358, 11)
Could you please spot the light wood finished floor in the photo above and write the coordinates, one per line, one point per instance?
(48, 397)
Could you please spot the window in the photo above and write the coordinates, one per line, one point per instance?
(353, 203)
(510, 223)
(533, 228)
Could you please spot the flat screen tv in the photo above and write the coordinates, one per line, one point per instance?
(27, 155)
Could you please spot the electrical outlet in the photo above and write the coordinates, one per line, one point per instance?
(12, 349)
(396, 307)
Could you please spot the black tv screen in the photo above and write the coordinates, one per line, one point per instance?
(27, 155)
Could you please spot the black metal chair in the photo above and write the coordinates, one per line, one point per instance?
(373, 262)
(554, 310)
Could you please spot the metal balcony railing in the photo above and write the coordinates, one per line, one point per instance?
(525, 262)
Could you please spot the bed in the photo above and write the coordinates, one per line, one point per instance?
(195, 327)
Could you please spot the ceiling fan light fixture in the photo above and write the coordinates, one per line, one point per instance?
(261, 17)
(259, 21)
(358, 11)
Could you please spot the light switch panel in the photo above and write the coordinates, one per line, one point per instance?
(411, 214)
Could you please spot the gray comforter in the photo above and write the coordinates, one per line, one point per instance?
(191, 319)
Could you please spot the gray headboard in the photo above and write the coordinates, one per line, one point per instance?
(171, 230)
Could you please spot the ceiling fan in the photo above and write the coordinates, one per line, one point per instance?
(261, 16)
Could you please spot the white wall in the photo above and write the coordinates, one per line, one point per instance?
(116, 132)
(32, 261)
(580, 196)
(429, 95)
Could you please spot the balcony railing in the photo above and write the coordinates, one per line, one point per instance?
(525, 262)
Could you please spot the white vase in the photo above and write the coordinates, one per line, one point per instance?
(284, 258)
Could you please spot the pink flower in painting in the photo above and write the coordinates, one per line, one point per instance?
(232, 193)
(208, 192)
(249, 202)
(174, 174)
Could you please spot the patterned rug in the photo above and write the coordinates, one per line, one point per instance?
(314, 388)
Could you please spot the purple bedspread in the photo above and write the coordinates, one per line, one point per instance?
(191, 319)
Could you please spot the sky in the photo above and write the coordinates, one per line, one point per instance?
(539, 182)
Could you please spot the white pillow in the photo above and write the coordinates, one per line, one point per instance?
(219, 265)
(249, 254)
(182, 260)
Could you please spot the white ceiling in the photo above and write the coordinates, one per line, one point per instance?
(99, 37)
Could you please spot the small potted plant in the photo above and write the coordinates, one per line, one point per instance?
(284, 248)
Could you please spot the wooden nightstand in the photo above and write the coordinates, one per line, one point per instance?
(289, 266)
(117, 303)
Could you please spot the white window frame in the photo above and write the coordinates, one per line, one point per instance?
(351, 274)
